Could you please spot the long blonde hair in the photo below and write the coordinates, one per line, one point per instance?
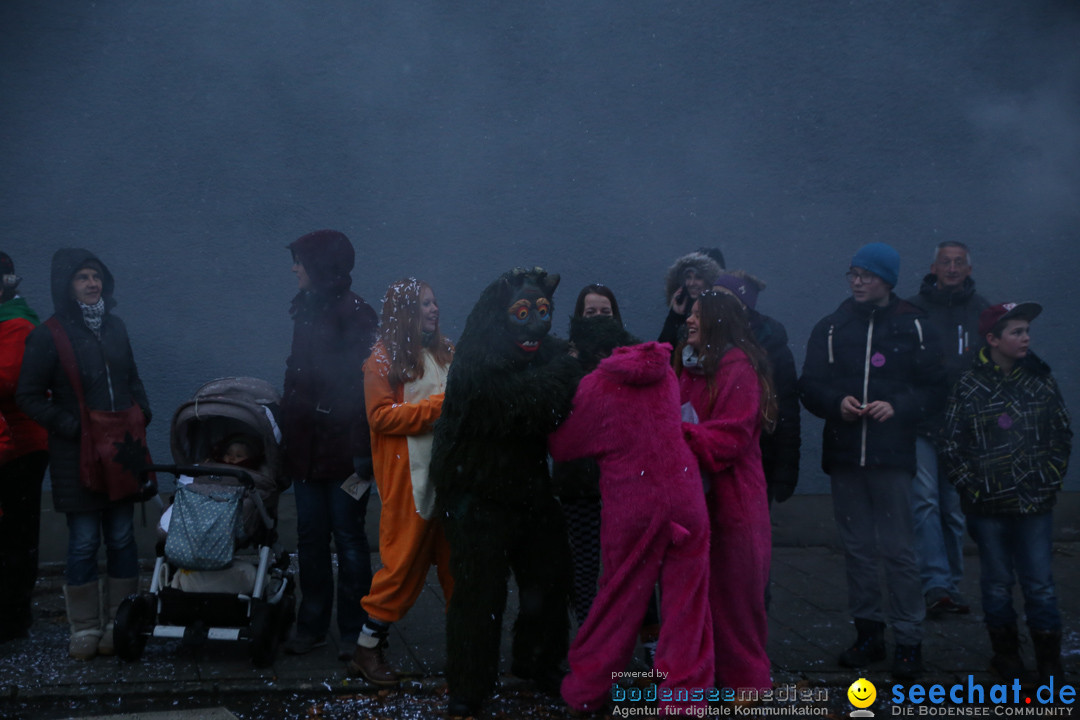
(401, 333)
(723, 324)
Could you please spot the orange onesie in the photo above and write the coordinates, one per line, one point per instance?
(408, 544)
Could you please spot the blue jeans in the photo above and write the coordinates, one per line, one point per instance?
(84, 539)
(939, 524)
(324, 510)
(1011, 547)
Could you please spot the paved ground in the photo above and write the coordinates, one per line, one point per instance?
(808, 626)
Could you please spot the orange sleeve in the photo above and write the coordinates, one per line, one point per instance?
(387, 413)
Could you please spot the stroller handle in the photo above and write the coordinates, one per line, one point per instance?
(199, 470)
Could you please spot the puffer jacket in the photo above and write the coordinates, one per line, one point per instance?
(323, 415)
(873, 353)
(107, 370)
(1007, 438)
(954, 316)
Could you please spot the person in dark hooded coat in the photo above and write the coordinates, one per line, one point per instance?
(509, 387)
(82, 291)
(326, 437)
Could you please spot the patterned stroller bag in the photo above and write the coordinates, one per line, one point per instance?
(205, 526)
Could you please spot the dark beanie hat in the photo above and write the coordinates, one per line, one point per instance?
(880, 259)
(7, 265)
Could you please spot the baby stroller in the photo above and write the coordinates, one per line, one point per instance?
(204, 586)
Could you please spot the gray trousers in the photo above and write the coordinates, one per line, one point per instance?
(873, 516)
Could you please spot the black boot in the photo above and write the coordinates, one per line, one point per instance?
(869, 645)
(1006, 662)
(1048, 654)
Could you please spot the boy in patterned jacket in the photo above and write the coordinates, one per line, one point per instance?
(1007, 443)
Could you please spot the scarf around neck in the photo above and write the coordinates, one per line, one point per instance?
(93, 315)
(691, 361)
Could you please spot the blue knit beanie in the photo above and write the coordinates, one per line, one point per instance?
(880, 259)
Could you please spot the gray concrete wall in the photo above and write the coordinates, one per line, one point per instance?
(188, 143)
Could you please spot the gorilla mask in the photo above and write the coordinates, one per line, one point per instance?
(529, 308)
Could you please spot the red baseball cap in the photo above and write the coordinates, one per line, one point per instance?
(991, 316)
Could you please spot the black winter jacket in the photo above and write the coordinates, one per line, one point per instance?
(780, 448)
(323, 415)
(107, 369)
(954, 316)
(873, 353)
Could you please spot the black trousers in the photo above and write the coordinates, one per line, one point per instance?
(20, 529)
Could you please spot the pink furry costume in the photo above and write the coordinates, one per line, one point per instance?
(654, 525)
(726, 440)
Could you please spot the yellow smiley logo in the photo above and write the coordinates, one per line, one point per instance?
(862, 693)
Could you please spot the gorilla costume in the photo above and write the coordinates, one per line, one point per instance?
(509, 386)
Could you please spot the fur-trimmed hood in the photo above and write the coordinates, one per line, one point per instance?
(705, 266)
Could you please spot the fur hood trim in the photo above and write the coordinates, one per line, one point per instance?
(702, 263)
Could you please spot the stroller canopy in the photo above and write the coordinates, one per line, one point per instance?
(224, 407)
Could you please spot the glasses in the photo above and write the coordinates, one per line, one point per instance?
(958, 263)
(863, 278)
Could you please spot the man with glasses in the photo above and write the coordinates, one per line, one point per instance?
(873, 371)
(952, 308)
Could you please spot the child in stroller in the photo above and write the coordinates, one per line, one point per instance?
(225, 441)
(240, 450)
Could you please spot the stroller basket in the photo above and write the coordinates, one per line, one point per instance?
(213, 609)
(205, 526)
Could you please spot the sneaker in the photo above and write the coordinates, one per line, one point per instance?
(370, 664)
(946, 605)
(302, 644)
(907, 664)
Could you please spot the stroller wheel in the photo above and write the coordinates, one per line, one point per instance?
(264, 633)
(133, 617)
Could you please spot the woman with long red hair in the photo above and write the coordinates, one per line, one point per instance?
(404, 380)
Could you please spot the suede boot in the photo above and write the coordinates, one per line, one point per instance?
(84, 617)
(369, 657)
(1006, 662)
(113, 592)
(869, 645)
(1048, 655)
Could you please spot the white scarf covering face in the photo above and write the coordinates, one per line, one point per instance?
(432, 383)
(93, 315)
